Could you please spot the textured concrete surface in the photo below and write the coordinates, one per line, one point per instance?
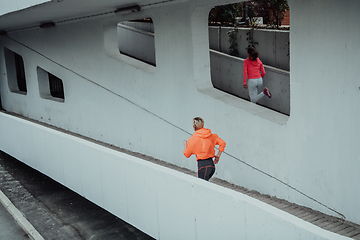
(59, 213)
(20, 219)
(9, 229)
(55, 211)
(72, 217)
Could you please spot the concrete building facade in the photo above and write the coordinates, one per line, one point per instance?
(311, 157)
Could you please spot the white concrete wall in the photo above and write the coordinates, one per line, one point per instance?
(227, 75)
(7, 6)
(324, 101)
(137, 43)
(272, 45)
(149, 109)
(159, 201)
(145, 26)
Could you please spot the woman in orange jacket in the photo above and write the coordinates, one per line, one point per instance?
(202, 144)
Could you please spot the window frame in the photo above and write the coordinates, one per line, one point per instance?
(202, 71)
(46, 87)
(16, 72)
(111, 45)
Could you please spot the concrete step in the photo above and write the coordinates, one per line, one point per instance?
(327, 222)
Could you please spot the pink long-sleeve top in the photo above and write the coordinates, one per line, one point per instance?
(253, 69)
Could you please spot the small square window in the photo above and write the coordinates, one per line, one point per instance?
(15, 72)
(136, 40)
(50, 86)
(56, 87)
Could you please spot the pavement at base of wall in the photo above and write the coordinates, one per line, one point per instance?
(53, 210)
(9, 228)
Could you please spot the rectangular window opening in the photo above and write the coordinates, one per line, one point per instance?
(56, 87)
(20, 73)
(15, 72)
(247, 24)
(50, 86)
(136, 40)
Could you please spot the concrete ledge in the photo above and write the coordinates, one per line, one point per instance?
(19, 218)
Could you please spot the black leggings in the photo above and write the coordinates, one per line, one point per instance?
(206, 168)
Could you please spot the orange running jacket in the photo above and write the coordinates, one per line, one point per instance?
(202, 144)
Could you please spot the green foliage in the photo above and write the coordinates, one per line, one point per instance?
(226, 16)
(278, 9)
(225, 13)
(250, 38)
(252, 12)
(233, 42)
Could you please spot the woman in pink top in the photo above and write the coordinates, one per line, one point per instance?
(253, 73)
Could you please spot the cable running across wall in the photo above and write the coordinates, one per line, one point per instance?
(181, 129)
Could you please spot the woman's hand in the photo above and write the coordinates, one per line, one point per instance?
(217, 157)
(245, 86)
(185, 144)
